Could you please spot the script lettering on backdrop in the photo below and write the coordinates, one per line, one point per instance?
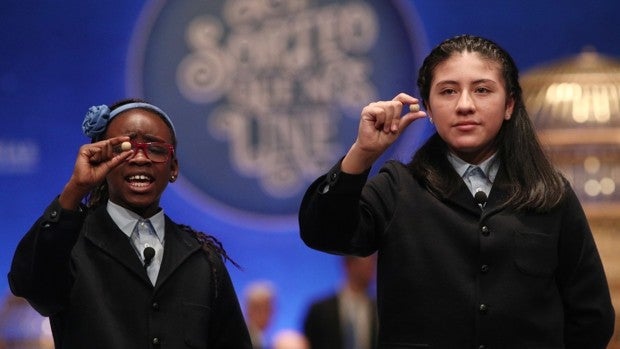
(266, 94)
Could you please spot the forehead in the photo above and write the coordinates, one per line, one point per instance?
(468, 65)
(139, 121)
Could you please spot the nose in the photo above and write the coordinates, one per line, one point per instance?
(139, 155)
(465, 104)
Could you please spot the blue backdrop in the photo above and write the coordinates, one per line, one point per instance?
(59, 57)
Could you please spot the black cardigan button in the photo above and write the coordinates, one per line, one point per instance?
(485, 231)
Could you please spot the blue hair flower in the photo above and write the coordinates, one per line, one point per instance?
(96, 120)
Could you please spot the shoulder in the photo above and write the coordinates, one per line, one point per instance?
(394, 168)
(569, 199)
(394, 165)
(326, 300)
(209, 243)
(182, 231)
(321, 306)
(394, 172)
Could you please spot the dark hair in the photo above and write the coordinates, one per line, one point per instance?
(532, 181)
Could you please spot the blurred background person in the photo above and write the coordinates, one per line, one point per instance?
(259, 304)
(21, 327)
(346, 319)
(290, 339)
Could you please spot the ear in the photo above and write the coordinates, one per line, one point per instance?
(510, 106)
(429, 112)
(174, 170)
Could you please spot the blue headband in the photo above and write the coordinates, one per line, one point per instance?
(98, 117)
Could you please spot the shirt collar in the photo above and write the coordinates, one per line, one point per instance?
(488, 166)
(126, 219)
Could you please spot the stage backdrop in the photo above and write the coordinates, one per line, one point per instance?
(265, 96)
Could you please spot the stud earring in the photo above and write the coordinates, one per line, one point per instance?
(172, 178)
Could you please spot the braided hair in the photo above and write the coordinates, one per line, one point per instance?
(211, 246)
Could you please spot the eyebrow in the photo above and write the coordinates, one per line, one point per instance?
(147, 136)
(453, 82)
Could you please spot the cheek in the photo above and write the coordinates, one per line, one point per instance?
(113, 177)
(440, 111)
(114, 185)
(493, 127)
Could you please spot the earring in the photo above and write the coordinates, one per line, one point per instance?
(172, 178)
(430, 118)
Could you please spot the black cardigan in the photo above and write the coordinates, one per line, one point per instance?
(81, 271)
(453, 276)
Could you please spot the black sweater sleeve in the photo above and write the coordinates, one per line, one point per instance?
(41, 268)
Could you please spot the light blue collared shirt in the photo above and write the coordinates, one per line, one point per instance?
(126, 220)
(489, 167)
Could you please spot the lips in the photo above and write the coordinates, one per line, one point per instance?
(466, 123)
(466, 126)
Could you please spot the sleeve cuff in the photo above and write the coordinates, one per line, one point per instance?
(54, 212)
(336, 180)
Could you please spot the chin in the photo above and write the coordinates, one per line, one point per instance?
(141, 203)
(465, 147)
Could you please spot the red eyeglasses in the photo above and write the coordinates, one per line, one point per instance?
(154, 151)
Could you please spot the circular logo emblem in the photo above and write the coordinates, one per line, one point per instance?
(266, 95)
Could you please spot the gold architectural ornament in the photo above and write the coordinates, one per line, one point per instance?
(574, 104)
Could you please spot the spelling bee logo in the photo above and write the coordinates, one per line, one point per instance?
(266, 94)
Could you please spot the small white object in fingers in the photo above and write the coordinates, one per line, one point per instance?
(414, 108)
(125, 146)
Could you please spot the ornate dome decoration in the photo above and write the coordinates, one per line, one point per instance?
(575, 106)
